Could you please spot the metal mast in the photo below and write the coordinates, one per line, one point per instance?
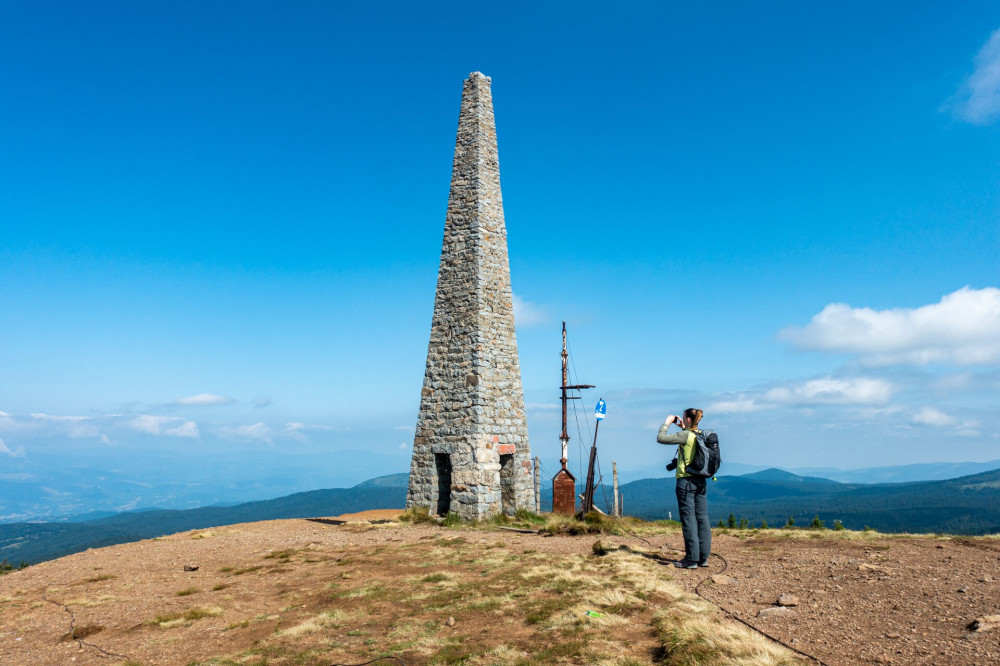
(564, 437)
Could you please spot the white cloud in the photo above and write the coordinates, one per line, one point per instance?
(963, 329)
(17, 453)
(256, 431)
(833, 391)
(163, 425)
(978, 101)
(528, 314)
(930, 416)
(404, 445)
(18, 477)
(72, 426)
(740, 405)
(813, 392)
(933, 417)
(297, 430)
(204, 399)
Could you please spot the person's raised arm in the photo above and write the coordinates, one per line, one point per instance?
(675, 438)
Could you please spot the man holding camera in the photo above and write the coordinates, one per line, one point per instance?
(692, 491)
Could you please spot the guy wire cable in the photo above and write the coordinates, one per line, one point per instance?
(575, 379)
(697, 591)
(579, 436)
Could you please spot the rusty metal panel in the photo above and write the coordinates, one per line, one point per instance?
(564, 493)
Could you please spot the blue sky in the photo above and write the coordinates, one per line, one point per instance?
(221, 223)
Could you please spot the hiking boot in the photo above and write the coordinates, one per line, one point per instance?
(703, 564)
(685, 564)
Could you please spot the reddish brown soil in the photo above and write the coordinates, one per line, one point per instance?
(863, 600)
(882, 600)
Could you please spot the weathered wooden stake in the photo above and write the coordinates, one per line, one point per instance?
(538, 485)
(616, 511)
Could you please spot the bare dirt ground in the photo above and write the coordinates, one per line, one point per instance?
(882, 600)
(342, 590)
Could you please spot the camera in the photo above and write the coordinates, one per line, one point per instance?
(672, 465)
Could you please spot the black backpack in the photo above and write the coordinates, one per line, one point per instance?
(707, 458)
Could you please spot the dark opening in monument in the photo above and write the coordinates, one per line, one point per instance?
(507, 502)
(443, 463)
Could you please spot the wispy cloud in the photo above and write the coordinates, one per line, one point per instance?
(255, 431)
(203, 399)
(528, 314)
(978, 100)
(810, 393)
(740, 405)
(933, 417)
(833, 391)
(963, 329)
(163, 425)
(930, 416)
(76, 427)
(16, 453)
(297, 430)
(263, 401)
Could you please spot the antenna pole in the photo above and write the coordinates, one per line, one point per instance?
(564, 436)
(564, 484)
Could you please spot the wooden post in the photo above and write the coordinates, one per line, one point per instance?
(538, 486)
(615, 511)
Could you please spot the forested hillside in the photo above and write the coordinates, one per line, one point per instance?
(966, 505)
(37, 542)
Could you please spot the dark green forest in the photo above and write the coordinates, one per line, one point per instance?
(967, 505)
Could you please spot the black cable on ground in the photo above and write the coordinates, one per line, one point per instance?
(374, 661)
(72, 630)
(725, 566)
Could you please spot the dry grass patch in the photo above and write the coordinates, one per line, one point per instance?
(692, 633)
(177, 619)
(331, 619)
(501, 654)
(99, 601)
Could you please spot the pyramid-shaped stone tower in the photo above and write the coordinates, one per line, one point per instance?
(470, 450)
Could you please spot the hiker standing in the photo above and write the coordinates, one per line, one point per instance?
(692, 491)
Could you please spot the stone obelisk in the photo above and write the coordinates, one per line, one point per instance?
(470, 450)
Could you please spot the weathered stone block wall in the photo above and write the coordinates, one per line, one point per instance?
(472, 405)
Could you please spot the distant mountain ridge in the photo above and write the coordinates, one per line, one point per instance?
(966, 505)
(37, 542)
(938, 471)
